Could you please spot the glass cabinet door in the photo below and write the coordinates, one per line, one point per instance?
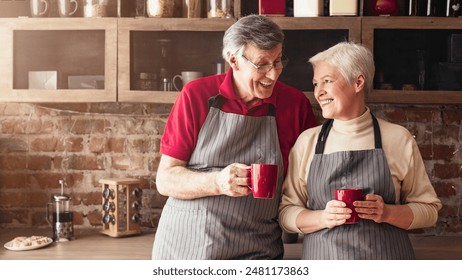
(418, 59)
(153, 51)
(58, 60)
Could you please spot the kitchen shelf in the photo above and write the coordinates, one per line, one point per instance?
(395, 41)
(71, 47)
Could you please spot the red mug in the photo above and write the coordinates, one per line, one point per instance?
(349, 196)
(263, 180)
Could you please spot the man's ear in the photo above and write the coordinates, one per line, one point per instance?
(233, 61)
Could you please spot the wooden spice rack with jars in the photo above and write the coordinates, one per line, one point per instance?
(121, 203)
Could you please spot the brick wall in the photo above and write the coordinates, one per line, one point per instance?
(82, 143)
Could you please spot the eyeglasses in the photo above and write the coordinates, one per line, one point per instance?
(265, 68)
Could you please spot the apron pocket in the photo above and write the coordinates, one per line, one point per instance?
(181, 233)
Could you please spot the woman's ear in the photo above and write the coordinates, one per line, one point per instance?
(359, 83)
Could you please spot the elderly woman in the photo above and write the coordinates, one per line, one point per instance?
(354, 149)
(219, 125)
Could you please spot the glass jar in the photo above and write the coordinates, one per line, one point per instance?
(164, 62)
(160, 8)
(140, 8)
(191, 8)
(303, 8)
(455, 8)
(220, 8)
(95, 8)
(147, 81)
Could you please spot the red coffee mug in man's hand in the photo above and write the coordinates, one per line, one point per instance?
(263, 180)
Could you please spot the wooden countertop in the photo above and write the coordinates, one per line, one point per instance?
(92, 245)
(88, 245)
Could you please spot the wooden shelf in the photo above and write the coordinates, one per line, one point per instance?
(352, 24)
(119, 69)
(415, 97)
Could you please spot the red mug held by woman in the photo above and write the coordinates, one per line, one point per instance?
(349, 196)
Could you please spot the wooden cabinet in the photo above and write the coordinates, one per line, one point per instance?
(304, 37)
(122, 50)
(58, 60)
(194, 45)
(415, 61)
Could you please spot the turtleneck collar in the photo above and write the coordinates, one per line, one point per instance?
(354, 125)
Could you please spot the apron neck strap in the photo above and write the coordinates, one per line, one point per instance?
(327, 125)
(377, 133)
(218, 100)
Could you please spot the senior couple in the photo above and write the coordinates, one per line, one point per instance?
(221, 124)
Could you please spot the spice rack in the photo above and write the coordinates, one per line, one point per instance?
(121, 202)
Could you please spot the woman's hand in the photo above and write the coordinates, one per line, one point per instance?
(234, 180)
(335, 214)
(372, 208)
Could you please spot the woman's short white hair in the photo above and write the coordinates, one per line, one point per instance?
(352, 60)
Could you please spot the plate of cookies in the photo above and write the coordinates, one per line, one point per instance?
(24, 243)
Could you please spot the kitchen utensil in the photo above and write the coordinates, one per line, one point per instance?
(62, 216)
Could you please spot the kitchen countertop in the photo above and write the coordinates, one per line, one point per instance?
(92, 245)
(87, 245)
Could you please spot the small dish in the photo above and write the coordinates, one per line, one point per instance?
(8, 245)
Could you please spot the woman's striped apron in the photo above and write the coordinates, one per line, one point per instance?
(223, 227)
(367, 169)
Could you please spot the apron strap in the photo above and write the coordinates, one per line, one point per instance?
(327, 125)
(218, 100)
(377, 133)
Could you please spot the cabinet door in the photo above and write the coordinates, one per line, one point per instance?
(304, 37)
(418, 59)
(58, 60)
(193, 45)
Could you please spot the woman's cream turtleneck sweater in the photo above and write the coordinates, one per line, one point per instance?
(412, 185)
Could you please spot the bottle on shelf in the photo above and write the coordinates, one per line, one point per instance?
(164, 63)
(386, 7)
(454, 8)
(343, 7)
(220, 9)
(427, 8)
(191, 8)
(140, 8)
(303, 8)
(220, 68)
(95, 8)
(147, 81)
(160, 8)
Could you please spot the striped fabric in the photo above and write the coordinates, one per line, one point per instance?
(223, 227)
(366, 169)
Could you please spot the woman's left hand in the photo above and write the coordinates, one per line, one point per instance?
(372, 208)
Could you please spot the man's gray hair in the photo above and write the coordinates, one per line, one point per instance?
(258, 31)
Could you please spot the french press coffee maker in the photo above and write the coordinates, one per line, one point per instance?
(62, 216)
